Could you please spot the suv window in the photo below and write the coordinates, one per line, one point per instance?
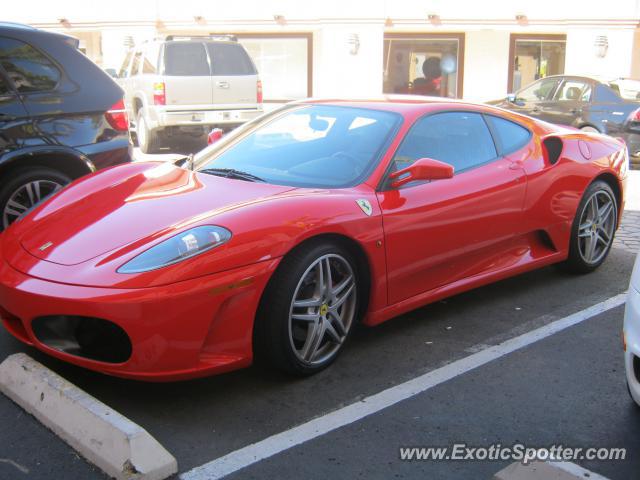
(185, 59)
(509, 135)
(229, 59)
(28, 69)
(461, 139)
(540, 90)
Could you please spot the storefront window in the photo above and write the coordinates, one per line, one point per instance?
(534, 57)
(424, 64)
(283, 63)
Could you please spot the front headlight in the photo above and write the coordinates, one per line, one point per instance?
(176, 249)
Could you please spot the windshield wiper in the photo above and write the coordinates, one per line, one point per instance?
(232, 173)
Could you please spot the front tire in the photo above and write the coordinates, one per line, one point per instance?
(308, 310)
(593, 228)
(25, 188)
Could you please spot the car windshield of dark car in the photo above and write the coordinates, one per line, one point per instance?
(309, 146)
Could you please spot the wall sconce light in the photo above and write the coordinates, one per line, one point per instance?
(200, 20)
(65, 22)
(353, 41)
(280, 20)
(388, 22)
(601, 45)
(434, 19)
(522, 20)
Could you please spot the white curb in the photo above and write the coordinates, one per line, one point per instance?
(121, 448)
(546, 471)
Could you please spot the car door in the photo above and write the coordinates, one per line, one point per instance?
(566, 106)
(187, 74)
(233, 76)
(442, 231)
(532, 99)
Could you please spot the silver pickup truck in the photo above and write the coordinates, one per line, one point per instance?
(188, 85)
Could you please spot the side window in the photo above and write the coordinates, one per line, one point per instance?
(509, 135)
(573, 91)
(135, 66)
(538, 91)
(461, 139)
(125, 65)
(28, 69)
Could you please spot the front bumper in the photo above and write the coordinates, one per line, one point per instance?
(632, 341)
(185, 330)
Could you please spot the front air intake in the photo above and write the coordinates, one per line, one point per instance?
(87, 337)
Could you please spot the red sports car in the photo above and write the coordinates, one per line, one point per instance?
(274, 242)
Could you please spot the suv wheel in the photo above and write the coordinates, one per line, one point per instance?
(147, 139)
(25, 189)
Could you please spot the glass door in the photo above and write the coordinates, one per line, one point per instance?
(534, 57)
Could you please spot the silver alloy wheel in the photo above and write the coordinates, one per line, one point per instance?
(597, 226)
(25, 197)
(322, 309)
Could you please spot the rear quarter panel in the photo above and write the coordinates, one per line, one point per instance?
(554, 190)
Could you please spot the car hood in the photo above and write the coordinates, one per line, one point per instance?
(131, 205)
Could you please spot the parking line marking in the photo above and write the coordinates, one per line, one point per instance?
(243, 457)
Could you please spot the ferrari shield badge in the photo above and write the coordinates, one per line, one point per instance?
(365, 206)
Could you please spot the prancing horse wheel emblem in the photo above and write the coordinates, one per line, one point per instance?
(365, 206)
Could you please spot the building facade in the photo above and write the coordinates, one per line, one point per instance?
(456, 48)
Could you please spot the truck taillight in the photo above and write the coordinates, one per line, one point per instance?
(635, 116)
(159, 97)
(117, 117)
(259, 91)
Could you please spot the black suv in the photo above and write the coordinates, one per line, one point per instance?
(61, 117)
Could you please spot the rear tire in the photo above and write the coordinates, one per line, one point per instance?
(148, 140)
(25, 188)
(593, 228)
(308, 310)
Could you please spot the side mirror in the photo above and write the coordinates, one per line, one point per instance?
(422, 169)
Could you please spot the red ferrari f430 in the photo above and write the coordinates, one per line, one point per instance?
(275, 241)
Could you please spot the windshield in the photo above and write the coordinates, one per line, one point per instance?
(308, 146)
(626, 88)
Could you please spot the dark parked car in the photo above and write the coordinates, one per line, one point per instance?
(611, 107)
(61, 117)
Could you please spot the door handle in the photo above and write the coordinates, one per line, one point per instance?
(223, 84)
(535, 110)
(575, 110)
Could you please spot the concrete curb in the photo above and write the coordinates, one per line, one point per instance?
(121, 448)
(546, 471)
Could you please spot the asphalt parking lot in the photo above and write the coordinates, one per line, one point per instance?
(566, 389)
